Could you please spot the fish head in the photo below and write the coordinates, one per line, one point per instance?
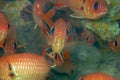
(4, 70)
(58, 44)
(115, 45)
(97, 76)
(88, 37)
(98, 7)
(60, 33)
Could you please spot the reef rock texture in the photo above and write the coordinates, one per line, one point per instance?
(107, 30)
(107, 27)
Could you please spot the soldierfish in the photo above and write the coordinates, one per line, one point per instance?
(10, 44)
(66, 66)
(88, 37)
(23, 66)
(40, 16)
(59, 34)
(115, 45)
(90, 9)
(97, 76)
(3, 29)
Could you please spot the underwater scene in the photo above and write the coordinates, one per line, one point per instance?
(59, 39)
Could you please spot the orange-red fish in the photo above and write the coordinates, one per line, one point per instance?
(90, 9)
(88, 37)
(115, 45)
(66, 66)
(97, 76)
(3, 28)
(59, 34)
(10, 44)
(23, 66)
(41, 17)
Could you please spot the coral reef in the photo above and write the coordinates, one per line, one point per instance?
(86, 59)
(113, 10)
(107, 30)
(106, 27)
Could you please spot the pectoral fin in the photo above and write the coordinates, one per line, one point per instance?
(76, 16)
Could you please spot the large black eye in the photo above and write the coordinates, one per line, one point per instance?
(67, 32)
(15, 45)
(96, 6)
(52, 30)
(1, 52)
(87, 38)
(115, 43)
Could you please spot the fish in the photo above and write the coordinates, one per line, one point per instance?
(66, 66)
(97, 76)
(58, 36)
(85, 9)
(3, 29)
(88, 37)
(10, 44)
(42, 18)
(115, 44)
(24, 66)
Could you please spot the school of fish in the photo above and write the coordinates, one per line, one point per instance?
(90, 9)
(30, 66)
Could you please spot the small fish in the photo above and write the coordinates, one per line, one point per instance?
(10, 44)
(66, 66)
(90, 9)
(43, 19)
(88, 37)
(3, 28)
(97, 76)
(59, 34)
(23, 66)
(115, 45)
(40, 16)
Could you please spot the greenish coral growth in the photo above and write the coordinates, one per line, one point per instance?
(12, 11)
(105, 29)
(113, 10)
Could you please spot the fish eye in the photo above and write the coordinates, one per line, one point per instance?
(67, 32)
(52, 30)
(1, 52)
(115, 43)
(96, 6)
(15, 45)
(87, 38)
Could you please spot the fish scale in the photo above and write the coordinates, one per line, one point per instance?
(27, 66)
